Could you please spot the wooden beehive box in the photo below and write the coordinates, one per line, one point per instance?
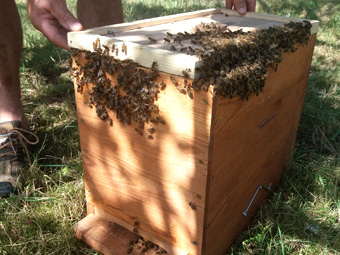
(198, 182)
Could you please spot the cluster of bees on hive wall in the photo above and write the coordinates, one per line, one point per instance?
(133, 95)
(142, 245)
(235, 63)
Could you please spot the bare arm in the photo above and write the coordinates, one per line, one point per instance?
(53, 19)
(242, 6)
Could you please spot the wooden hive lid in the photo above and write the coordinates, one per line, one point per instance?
(135, 36)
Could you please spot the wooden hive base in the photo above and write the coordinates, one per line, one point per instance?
(106, 237)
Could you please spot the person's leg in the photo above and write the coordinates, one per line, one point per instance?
(96, 13)
(13, 138)
(10, 52)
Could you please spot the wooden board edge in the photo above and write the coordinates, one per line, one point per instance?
(104, 30)
(143, 54)
(103, 215)
(146, 55)
(265, 16)
(106, 237)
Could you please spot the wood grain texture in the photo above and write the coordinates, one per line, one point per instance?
(105, 213)
(212, 152)
(251, 145)
(152, 181)
(135, 36)
(107, 237)
(272, 18)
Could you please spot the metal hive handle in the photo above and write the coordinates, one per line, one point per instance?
(251, 201)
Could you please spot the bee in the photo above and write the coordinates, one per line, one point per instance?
(109, 121)
(101, 112)
(96, 45)
(183, 49)
(162, 85)
(193, 206)
(160, 120)
(189, 92)
(106, 50)
(169, 34)
(161, 251)
(152, 130)
(177, 39)
(77, 62)
(129, 249)
(181, 90)
(172, 79)
(124, 48)
(139, 131)
(166, 40)
(144, 249)
(185, 83)
(191, 50)
(186, 73)
(154, 66)
(152, 40)
(113, 47)
(193, 41)
(198, 51)
(75, 73)
(173, 48)
(88, 104)
(75, 52)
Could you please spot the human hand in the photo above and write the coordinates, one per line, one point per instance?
(53, 19)
(242, 6)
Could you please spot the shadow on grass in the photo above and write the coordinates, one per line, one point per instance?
(49, 61)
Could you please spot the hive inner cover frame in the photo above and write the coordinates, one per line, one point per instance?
(134, 35)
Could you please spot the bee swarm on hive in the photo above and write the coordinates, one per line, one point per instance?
(235, 63)
(229, 90)
(132, 98)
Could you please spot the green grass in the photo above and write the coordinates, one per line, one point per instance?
(301, 217)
